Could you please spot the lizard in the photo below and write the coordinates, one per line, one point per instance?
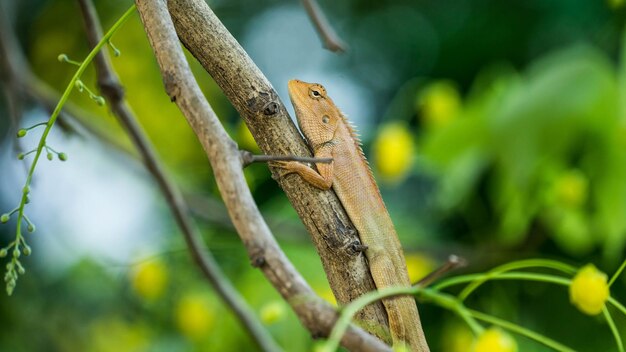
(330, 135)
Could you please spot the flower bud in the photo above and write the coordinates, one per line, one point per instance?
(62, 156)
(589, 290)
(21, 133)
(49, 156)
(79, 85)
(4, 218)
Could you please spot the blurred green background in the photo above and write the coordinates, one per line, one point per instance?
(496, 130)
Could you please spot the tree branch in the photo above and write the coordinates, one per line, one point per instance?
(326, 32)
(454, 262)
(317, 315)
(111, 88)
(10, 66)
(72, 120)
(248, 158)
(251, 94)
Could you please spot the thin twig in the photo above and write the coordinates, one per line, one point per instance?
(111, 88)
(182, 88)
(212, 210)
(72, 118)
(452, 263)
(11, 64)
(326, 32)
(248, 158)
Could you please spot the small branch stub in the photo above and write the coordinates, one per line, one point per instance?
(270, 109)
(248, 158)
(326, 32)
(453, 262)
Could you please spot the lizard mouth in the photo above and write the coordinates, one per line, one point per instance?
(295, 95)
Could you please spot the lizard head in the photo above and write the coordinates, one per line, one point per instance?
(317, 115)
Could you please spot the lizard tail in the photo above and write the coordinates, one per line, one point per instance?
(404, 321)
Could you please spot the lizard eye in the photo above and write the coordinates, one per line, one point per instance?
(315, 94)
(325, 119)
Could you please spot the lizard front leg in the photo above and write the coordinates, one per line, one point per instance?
(322, 178)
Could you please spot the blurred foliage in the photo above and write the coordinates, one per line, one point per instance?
(496, 131)
(419, 265)
(456, 337)
(548, 147)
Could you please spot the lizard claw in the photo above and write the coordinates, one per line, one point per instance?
(282, 168)
(277, 164)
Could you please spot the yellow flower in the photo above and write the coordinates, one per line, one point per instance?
(273, 311)
(418, 266)
(589, 290)
(494, 340)
(393, 152)
(439, 104)
(194, 315)
(571, 188)
(149, 279)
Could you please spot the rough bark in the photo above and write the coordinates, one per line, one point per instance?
(258, 104)
(317, 315)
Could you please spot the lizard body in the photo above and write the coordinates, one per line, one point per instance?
(329, 134)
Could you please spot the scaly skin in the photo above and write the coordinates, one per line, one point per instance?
(329, 134)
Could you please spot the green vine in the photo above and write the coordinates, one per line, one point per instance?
(19, 246)
(522, 264)
(473, 281)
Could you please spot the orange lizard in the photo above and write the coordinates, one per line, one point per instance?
(330, 135)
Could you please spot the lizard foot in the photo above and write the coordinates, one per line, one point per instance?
(282, 168)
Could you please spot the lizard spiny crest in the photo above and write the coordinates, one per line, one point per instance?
(356, 137)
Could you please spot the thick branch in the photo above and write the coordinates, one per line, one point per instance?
(317, 315)
(258, 103)
(111, 88)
